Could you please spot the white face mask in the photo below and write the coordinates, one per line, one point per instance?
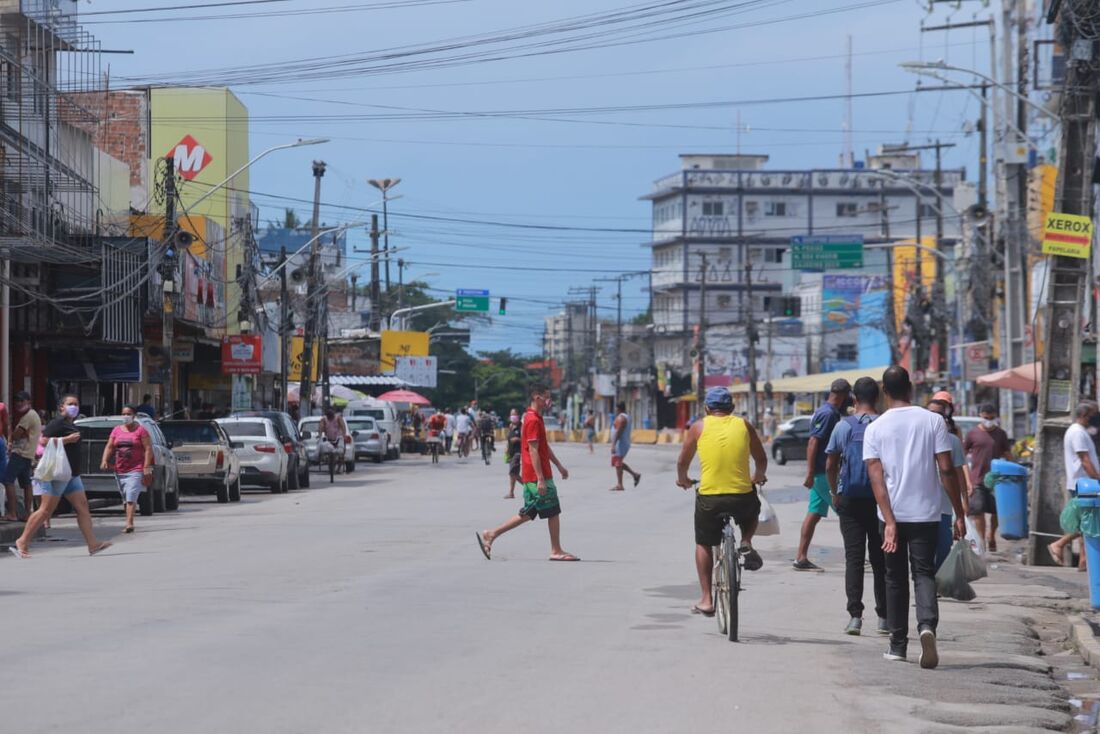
(989, 422)
(127, 420)
(72, 410)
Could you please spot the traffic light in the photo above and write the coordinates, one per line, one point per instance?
(789, 307)
(503, 306)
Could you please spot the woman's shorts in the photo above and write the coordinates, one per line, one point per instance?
(130, 485)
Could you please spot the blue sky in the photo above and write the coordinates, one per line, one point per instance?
(584, 170)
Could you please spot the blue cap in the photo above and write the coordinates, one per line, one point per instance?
(719, 397)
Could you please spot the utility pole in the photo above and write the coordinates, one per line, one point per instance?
(305, 392)
(168, 275)
(284, 329)
(939, 291)
(751, 331)
(890, 317)
(375, 288)
(618, 341)
(701, 340)
(1067, 287)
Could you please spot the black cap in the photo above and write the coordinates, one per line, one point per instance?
(22, 395)
(840, 385)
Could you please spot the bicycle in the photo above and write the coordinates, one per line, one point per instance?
(464, 445)
(334, 450)
(726, 582)
(433, 445)
(487, 449)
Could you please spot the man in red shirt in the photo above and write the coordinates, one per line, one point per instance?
(540, 496)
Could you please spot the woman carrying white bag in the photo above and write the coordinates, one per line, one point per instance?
(58, 475)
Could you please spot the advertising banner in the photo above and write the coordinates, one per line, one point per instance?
(401, 344)
(294, 366)
(242, 354)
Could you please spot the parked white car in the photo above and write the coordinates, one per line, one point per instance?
(385, 416)
(310, 428)
(263, 459)
(369, 440)
(205, 458)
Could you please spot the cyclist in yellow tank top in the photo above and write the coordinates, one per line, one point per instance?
(724, 443)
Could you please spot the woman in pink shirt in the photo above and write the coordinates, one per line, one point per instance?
(133, 452)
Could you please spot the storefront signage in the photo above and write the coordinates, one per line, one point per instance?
(403, 344)
(242, 354)
(1069, 235)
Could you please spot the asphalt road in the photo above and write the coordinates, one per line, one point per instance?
(366, 606)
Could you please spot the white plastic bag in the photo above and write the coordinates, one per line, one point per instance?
(54, 464)
(768, 523)
(977, 542)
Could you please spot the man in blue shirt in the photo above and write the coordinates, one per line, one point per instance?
(817, 481)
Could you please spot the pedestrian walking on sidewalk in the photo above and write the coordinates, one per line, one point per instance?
(941, 405)
(903, 449)
(448, 431)
(63, 430)
(24, 443)
(769, 425)
(856, 508)
(725, 442)
(540, 495)
(590, 430)
(1079, 456)
(620, 446)
(132, 449)
(984, 443)
(824, 420)
(512, 453)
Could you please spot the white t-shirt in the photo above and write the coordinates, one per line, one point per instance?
(906, 441)
(463, 423)
(449, 429)
(1077, 439)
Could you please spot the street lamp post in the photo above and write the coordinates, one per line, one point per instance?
(384, 185)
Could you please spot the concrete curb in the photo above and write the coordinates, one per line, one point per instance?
(1084, 640)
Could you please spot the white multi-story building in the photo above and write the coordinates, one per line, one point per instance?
(734, 211)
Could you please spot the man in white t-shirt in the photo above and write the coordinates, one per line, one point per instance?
(464, 427)
(907, 451)
(1079, 455)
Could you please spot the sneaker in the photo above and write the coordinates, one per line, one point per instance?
(883, 626)
(806, 565)
(752, 559)
(895, 654)
(929, 655)
(855, 626)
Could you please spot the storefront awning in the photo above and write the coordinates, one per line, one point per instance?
(820, 382)
(372, 380)
(1025, 378)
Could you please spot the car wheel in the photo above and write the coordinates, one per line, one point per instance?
(145, 502)
(377, 459)
(294, 477)
(172, 501)
(235, 491)
(221, 489)
(780, 456)
(303, 478)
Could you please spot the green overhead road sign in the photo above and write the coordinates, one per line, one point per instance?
(828, 252)
(468, 300)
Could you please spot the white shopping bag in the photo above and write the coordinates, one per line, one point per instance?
(977, 543)
(54, 464)
(768, 523)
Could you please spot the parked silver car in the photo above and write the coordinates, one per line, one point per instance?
(311, 437)
(369, 439)
(163, 493)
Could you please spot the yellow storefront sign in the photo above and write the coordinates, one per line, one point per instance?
(401, 344)
(1069, 235)
(294, 363)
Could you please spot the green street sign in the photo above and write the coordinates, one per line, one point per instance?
(473, 301)
(828, 252)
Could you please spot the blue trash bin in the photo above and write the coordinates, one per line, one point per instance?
(1090, 505)
(1010, 492)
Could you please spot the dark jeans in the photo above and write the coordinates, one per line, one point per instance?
(916, 550)
(860, 527)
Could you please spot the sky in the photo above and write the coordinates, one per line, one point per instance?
(526, 190)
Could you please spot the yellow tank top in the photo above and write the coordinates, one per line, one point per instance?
(724, 456)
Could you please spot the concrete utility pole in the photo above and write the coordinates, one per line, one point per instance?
(305, 392)
(618, 341)
(284, 330)
(891, 316)
(1067, 287)
(168, 275)
(701, 339)
(753, 336)
(375, 287)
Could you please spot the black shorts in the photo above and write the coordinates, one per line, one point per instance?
(742, 508)
(982, 502)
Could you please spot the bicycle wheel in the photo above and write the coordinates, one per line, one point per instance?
(719, 590)
(733, 586)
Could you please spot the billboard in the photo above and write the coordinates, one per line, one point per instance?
(401, 344)
(294, 361)
(242, 354)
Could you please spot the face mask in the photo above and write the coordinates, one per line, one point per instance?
(989, 422)
(128, 420)
(72, 410)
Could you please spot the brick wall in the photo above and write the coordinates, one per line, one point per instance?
(122, 130)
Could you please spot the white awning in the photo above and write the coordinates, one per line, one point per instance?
(812, 383)
(370, 380)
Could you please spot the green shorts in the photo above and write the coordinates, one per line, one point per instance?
(540, 505)
(820, 501)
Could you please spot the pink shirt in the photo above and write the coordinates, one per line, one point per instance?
(129, 449)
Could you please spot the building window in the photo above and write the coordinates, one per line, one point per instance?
(775, 209)
(847, 352)
(773, 255)
(724, 301)
(712, 208)
(752, 208)
(847, 209)
(928, 211)
(725, 253)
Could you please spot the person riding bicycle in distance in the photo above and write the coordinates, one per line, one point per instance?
(724, 442)
(332, 428)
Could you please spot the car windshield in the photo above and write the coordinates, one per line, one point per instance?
(376, 413)
(241, 429)
(312, 426)
(361, 425)
(190, 432)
